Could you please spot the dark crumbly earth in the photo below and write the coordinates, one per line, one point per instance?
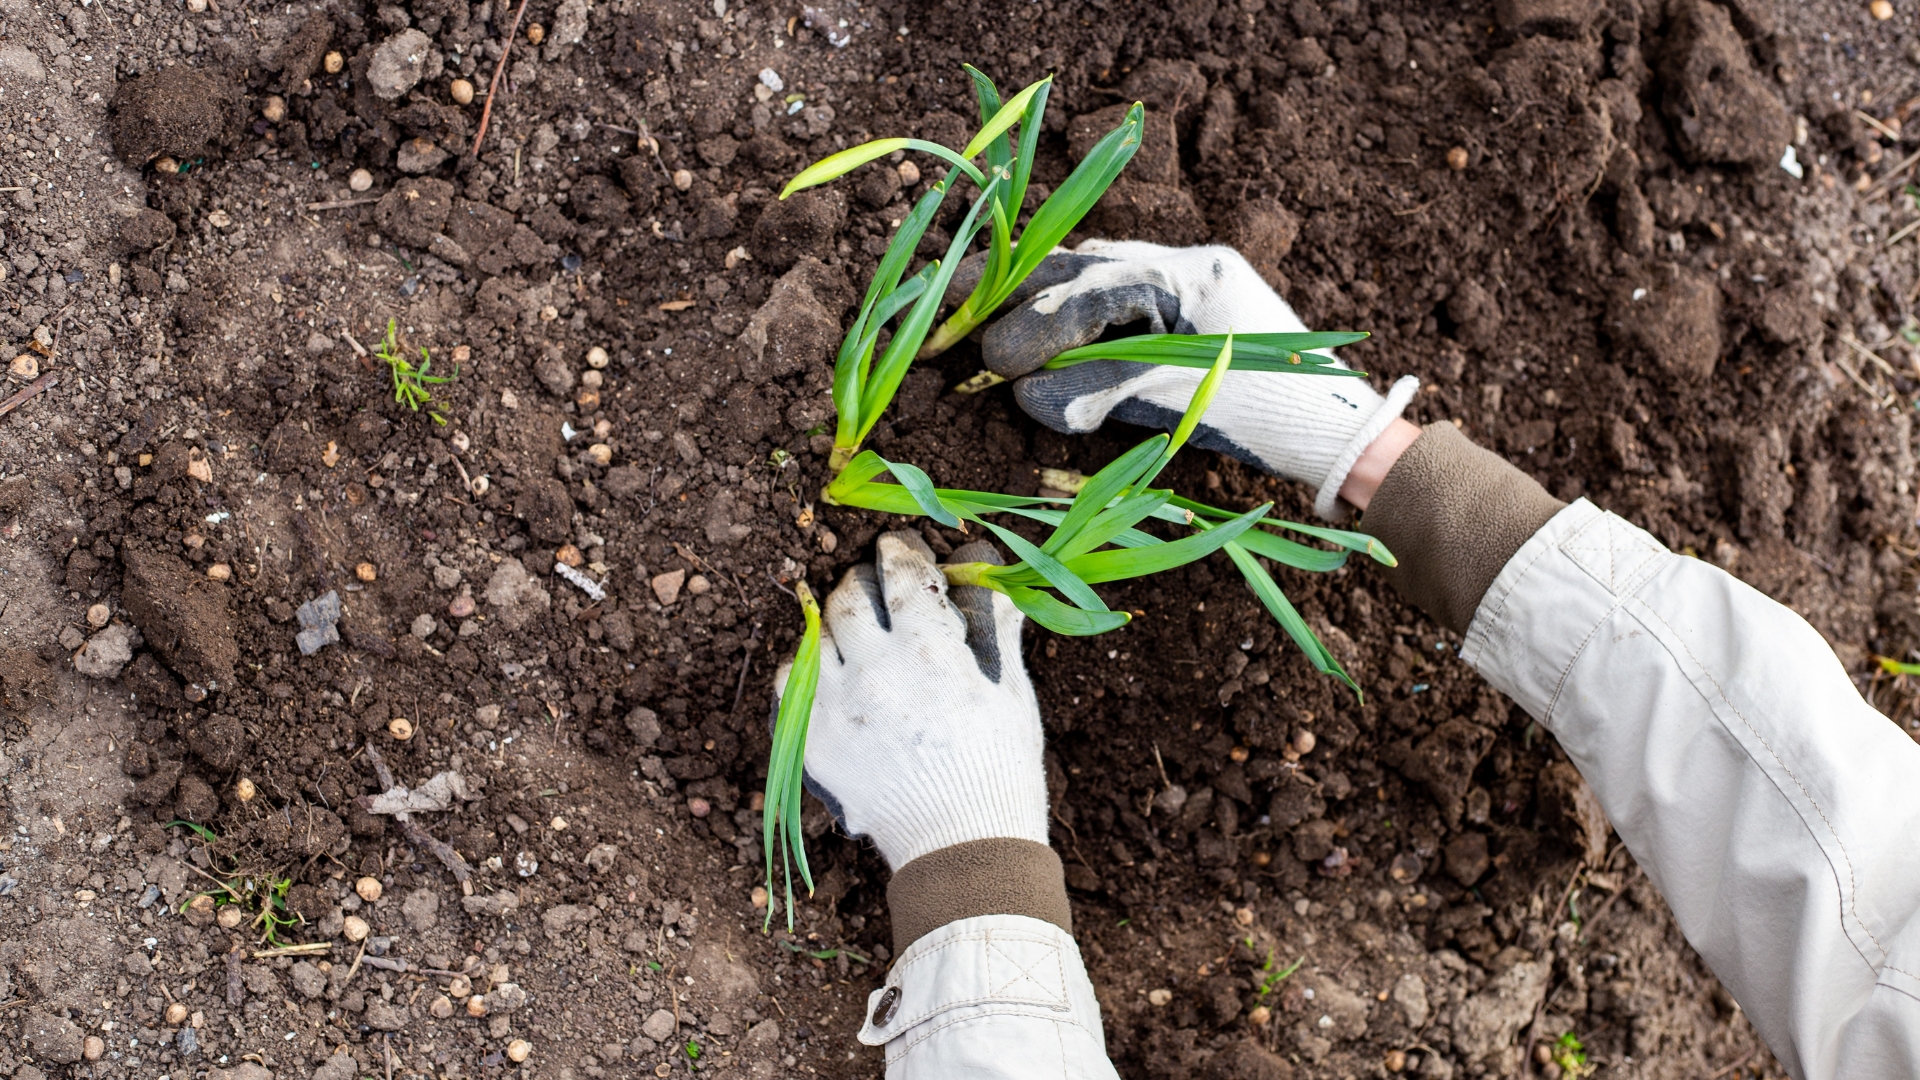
(1569, 219)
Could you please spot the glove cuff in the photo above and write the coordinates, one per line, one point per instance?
(1326, 502)
(1001, 876)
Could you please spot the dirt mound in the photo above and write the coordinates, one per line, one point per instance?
(179, 112)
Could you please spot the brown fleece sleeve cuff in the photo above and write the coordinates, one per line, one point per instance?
(980, 877)
(1453, 514)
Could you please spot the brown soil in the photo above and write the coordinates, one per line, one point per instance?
(1620, 289)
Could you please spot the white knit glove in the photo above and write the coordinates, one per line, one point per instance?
(925, 731)
(1310, 428)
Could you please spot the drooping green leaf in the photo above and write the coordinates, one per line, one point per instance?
(1048, 568)
(1283, 612)
(1064, 619)
(786, 768)
(834, 166)
(1352, 541)
(920, 487)
(987, 95)
(1005, 118)
(1288, 553)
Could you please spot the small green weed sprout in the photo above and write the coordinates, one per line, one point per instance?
(263, 898)
(1270, 979)
(412, 386)
(1571, 1055)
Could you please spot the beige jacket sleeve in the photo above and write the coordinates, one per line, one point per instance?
(1777, 812)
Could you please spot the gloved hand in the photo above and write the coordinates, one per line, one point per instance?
(1304, 427)
(925, 731)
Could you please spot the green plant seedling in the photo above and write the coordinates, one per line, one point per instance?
(786, 770)
(1270, 979)
(862, 385)
(1571, 1055)
(412, 384)
(201, 831)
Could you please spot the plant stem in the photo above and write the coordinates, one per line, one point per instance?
(950, 333)
(968, 573)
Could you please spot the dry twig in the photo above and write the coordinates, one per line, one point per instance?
(493, 87)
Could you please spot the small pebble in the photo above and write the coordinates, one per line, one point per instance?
(1457, 158)
(699, 807)
(462, 92)
(481, 484)
(1881, 9)
(244, 790)
(1259, 1015)
(334, 63)
(602, 428)
(355, 928)
(460, 440)
(597, 357)
(759, 895)
(230, 917)
(441, 1008)
(666, 587)
(98, 614)
(592, 380)
(275, 109)
(569, 555)
(536, 34)
(401, 729)
(558, 824)
(1159, 996)
(94, 1048)
(1304, 742)
(220, 572)
(366, 572)
(461, 607)
(682, 179)
(166, 165)
(1238, 753)
(25, 366)
(909, 173)
(519, 1049)
(698, 585)
(196, 6)
(476, 1006)
(360, 180)
(460, 986)
(600, 454)
(176, 1014)
(1395, 1061)
(368, 888)
(757, 801)
(1244, 916)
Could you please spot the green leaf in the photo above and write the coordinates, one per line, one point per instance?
(878, 392)
(1114, 565)
(1352, 541)
(917, 483)
(1283, 612)
(1115, 520)
(1049, 569)
(834, 166)
(1252, 352)
(1102, 487)
(1061, 618)
(999, 153)
(786, 768)
(1008, 115)
(1286, 552)
(1073, 198)
(1030, 126)
(1201, 401)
